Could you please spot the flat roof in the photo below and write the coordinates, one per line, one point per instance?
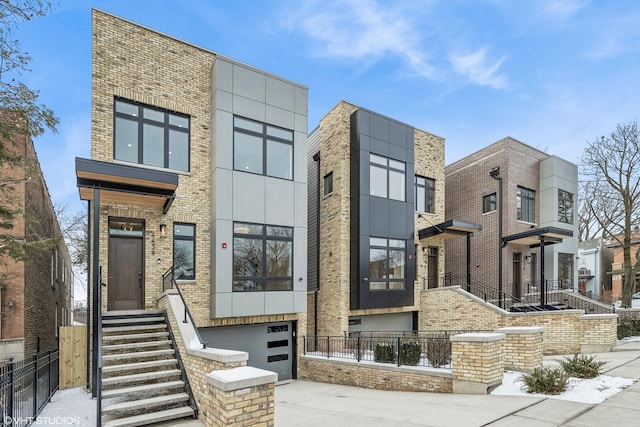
(534, 236)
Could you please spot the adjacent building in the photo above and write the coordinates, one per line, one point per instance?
(616, 271)
(594, 267)
(36, 295)
(525, 200)
(198, 162)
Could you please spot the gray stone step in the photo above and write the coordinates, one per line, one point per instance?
(162, 363)
(133, 328)
(119, 357)
(146, 390)
(131, 320)
(132, 346)
(123, 380)
(151, 418)
(131, 313)
(144, 404)
(134, 337)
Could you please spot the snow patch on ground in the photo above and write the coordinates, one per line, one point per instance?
(72, 406)
(594, 390)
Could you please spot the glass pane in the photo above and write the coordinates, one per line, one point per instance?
(153, 145)
(280, 133)
(126, 140)
(152, 114)
(279, 285)
(183, 253)
(239, 122)
(242, 228)
(396, 243)
(279, 160)
(377, 286)
(396, 285)
(280, 231)
(396, 264)
(420, 200)
(247, 285)
(179, 121)
(178, 150)
(378, 184)
(420, 180)
(377, 264)
(247, 153)
(279, 258)
(247, 257)
(185, 230)
(378, 159)
(396, 164)
(396, 185)
(376, 241)
(126, 108)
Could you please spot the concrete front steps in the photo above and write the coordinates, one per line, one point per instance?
(141, 380)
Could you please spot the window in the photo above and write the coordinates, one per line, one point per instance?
(262, 258)
(489, 203)
(425, 194)
(386, 264)
(526, 204)
(184, 245)
(151, 136)
(387, 178)
(262, 149)
(328, 183)
(565, 269)
(565, 207)
(54, 266)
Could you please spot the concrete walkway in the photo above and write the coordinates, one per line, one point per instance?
(309, 404)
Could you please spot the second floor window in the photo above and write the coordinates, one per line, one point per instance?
(328, 183)
(489, 203)
(262, 149)
(151, 136)
(565, 207)
(184, 249)
(425, 194)
(526, 204)
(387, 178)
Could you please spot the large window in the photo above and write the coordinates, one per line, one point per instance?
(565, 269)
(151, 136)
(489, 203)
(184, 250)
(387, 178)
(262, 149)
(425, 194)
(386, 264)
(262, 257)
(565, 207)
(526, 204)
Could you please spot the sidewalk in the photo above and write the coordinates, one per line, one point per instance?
(304, 403)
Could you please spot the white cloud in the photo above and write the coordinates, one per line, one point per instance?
(561, 9)
(478, 68)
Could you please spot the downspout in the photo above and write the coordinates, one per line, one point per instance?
(88, 243)
(495, 174)
(316, 158)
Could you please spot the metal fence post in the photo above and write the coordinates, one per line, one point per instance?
(328, 347)
(358, 349)
(398, 348)
(49, 375)
(35, 383)
(9, 408)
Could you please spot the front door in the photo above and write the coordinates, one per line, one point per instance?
(126, 265)
(517, 276)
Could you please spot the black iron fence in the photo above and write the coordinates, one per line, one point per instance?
(26, 386)
(427, 349)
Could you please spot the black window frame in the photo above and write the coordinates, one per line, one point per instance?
(526, 204)
(184, 238)
(566, 266)
(328, 184)
(388, 168)
(566, 206)
(266, 138)
(166, 125)
(428, 187)
(489, 203)
(387, 281)
(262, 280)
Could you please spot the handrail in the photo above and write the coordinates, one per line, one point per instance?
(169, 282)
(98, 311)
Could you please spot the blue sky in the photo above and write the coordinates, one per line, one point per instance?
(553, 74)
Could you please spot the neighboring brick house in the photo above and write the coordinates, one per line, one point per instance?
(375, 185)
(539, 194)
(36, 294)
(198, 162)
(617, 265)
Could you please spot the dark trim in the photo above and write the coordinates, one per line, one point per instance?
(550, 234)
(452, 226)
(125, 171)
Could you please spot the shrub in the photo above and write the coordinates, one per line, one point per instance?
(410, 352)
(385, 353)
(628, 327)
(545, 380)
(438, 351)
(581, 366)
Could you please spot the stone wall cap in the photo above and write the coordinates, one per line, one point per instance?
(239, 378)
(220, 354)
(599, 316)
(521, 330)
(478, 337)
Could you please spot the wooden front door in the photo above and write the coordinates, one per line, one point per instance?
(126, 266)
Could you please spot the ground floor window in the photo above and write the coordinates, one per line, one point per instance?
(184, 245)
(565, 268)
(387, 263)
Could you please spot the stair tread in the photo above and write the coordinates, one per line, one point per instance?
(116, 321)
(135, 336)
(107, 394)
(111, 329)
(143, 312)
(150, 418)
(137, 354)
(138, 365)
(135, 345)
(140, 377)
(145, 403)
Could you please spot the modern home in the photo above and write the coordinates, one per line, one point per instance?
(525, 200)
(376, 195)
(36, 295)
(594, 266)
(197, 174)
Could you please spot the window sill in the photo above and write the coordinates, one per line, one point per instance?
(185, 282)
(532, 224)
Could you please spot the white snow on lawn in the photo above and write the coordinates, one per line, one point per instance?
(594, 390)
(69, 407)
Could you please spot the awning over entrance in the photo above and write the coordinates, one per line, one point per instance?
(450, 228)
(126, 183)
(533, 237)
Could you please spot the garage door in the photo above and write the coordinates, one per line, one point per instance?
(270, 345)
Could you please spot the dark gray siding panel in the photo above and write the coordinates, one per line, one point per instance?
(313, 211)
